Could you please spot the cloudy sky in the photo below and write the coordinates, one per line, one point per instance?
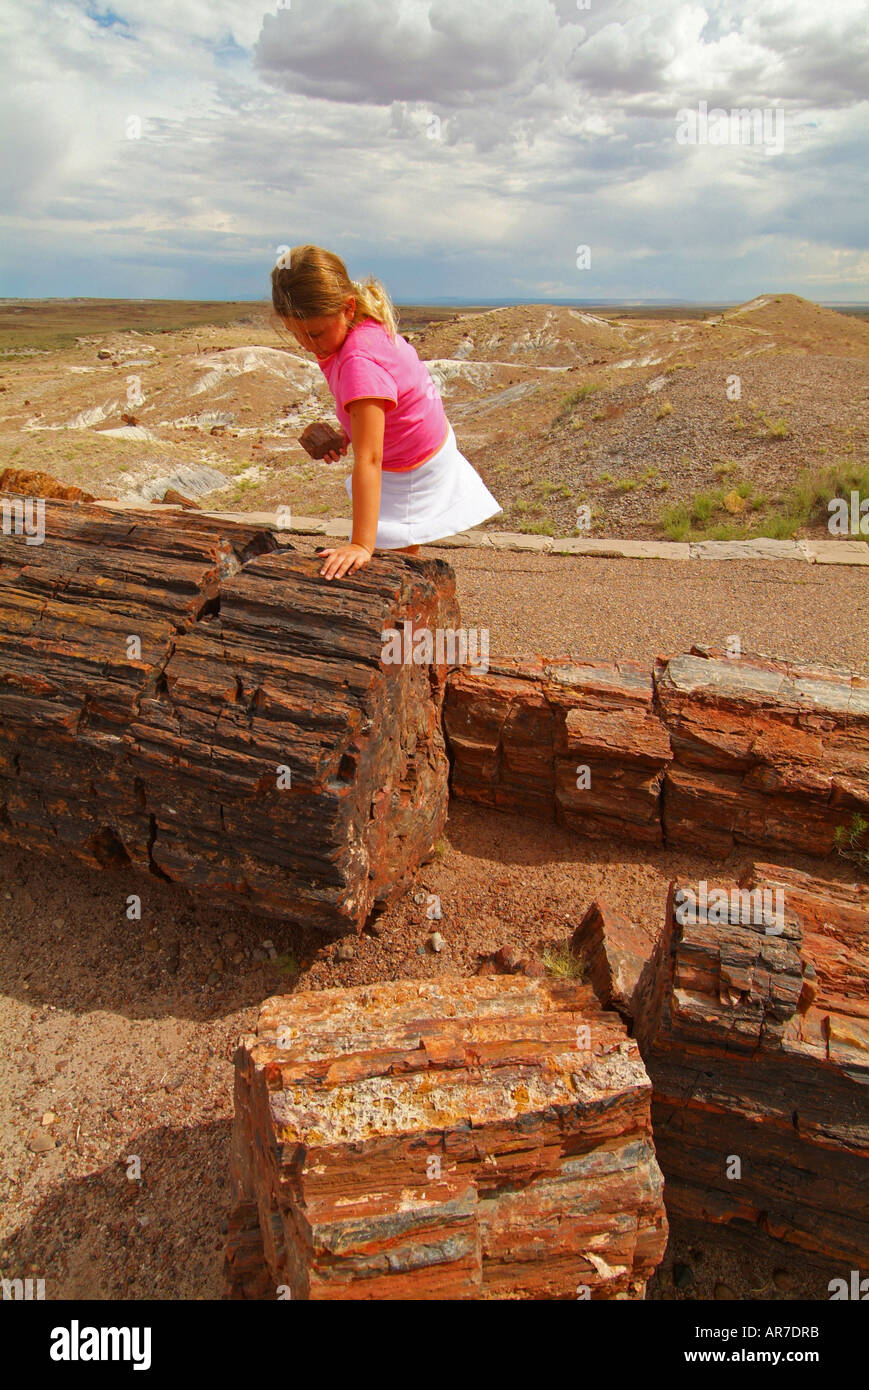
(455, 148)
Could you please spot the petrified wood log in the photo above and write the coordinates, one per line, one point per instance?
(755, 1033)
(320, 439)
(179, 693)
(764, 752)
(578, 743)
(26, 482)
(479, 1138)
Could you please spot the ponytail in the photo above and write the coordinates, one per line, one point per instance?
(373, 302)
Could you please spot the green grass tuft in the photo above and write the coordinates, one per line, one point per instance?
(561, 961)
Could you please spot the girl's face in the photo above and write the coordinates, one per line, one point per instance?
(323, 336)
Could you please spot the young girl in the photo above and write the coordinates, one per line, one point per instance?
(410, 484)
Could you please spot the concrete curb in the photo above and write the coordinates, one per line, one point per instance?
(813, 552)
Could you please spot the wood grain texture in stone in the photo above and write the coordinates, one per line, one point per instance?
(253, 744)
(757, 1043)
(446, 1139)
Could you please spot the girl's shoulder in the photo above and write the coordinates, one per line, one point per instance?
(371, 333)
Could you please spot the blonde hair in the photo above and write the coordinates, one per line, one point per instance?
(315, 284)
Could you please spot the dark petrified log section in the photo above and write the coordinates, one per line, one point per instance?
(442, 1139)
(575, 742)
(764, 752)
(250, 662)
(704, 751)
(757, 1045)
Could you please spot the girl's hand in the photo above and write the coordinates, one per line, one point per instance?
(343, 559)
(334, 454)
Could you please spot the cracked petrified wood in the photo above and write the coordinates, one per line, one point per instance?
(764, 752)
(757, 1044)
(29, 482)
(477, 1138)
(579, 743)
(181, 694)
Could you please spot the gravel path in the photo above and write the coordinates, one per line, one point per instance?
(639, 609)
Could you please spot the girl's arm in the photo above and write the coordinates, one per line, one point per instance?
(367, 424)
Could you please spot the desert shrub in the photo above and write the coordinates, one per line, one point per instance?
(852, 841)
(560, 960)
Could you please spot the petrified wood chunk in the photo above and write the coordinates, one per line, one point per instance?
(478, 1138)
(179, 693)
(616, 951)
(320, 439)
(755, 1032)
(576, 742)
(764, 752)
(173, 498)
(32, 483)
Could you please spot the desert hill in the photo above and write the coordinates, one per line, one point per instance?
(798, 322)
(660, 426)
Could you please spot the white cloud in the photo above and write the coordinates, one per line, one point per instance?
(314, 122)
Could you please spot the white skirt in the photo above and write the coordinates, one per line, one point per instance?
(443, 496)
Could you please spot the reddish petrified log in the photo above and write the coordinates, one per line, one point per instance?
(479, 1138)
(321, 439)
(26, 482)
(755, 1032)
(179, 693)
(173, 498)
(764, 752)
(578, 743)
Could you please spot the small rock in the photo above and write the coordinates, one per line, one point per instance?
(508, 958)
(420, 950)
(268, 944)
(218, 964)
(533, 968)
(104, 354)
(419, 897)
(487, 967)
(784, 1280)
(213, 978)
(683, 1276)
(433, 912)
(151, 944)
(229, 939)
(40, 1142)
(58, 924)
(376, 929)
(238, 958)
(723, 1291)
(48, 1118)
(345, 950)
(436, 942)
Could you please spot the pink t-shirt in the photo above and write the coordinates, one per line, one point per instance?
(369, 364)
